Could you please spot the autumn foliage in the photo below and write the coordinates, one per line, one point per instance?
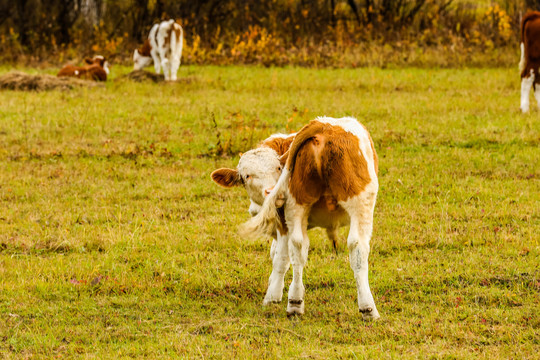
(318, 33)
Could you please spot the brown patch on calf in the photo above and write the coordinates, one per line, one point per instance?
(325, 162)
(167, 37)
(176, 31)
(530, 35)
(306, 184)
(279, 144)
(145, 49)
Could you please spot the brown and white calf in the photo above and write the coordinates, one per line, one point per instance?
(96, 69)
(163, 47)
(529, 65)
(329, 180)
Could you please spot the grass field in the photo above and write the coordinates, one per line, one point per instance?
(114, 242)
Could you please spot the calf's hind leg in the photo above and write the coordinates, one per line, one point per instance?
(360, 210)
(166, 65)
(537, 93)
(298, 252)
(175, 64)
(526, 85)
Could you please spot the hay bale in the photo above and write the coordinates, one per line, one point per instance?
(21, 81)
(141, 75)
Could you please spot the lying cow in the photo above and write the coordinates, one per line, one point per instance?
(530, 58)
(96, 69)
(329, 180)
(163, 47)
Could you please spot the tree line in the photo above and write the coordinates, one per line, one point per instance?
(42, 26)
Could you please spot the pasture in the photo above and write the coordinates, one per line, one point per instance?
(115, 243)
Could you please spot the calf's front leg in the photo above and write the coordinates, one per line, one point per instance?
(156, 60)
(279, 254)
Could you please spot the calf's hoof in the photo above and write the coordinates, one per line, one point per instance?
(269, 301)
(295, 307)
(369, 313)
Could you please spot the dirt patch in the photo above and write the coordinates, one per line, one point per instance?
(25, 82)
(141, 75)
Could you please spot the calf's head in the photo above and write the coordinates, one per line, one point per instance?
(140, 61)
(258, 171)
(98, 60)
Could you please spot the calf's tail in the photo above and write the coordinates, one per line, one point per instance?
(522, 60)
(180, 43)
(266, 221)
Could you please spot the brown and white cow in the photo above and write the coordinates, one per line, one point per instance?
(96, 69)
(329, 180)
(163, 47)
(529, 65)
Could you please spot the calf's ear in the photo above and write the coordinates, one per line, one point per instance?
(88, 61)
(226, 177)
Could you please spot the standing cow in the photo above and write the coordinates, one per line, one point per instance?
(163, 47)
(329, 180)
(529, 64)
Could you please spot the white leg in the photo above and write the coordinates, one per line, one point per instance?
(526, 85)
(166, 65)
(360, 209)
(157, 61)
(280, 265)
(537, 94)
(298, 252)
(273, 249)
(175, 64)
(157, 67)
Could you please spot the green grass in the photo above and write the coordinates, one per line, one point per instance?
(114, 242)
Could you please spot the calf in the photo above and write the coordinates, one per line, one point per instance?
(163, 47)
(530, 58)
(329, 180)
(96, 69)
